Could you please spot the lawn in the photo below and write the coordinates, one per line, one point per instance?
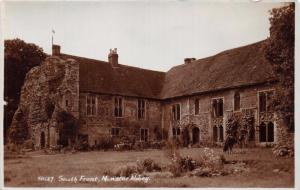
(31, 170)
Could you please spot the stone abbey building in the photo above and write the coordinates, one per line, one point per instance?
(193, 102)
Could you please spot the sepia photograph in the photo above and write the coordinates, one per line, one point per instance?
(174, 93)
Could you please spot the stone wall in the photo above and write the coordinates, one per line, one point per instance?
(53, 87)
(205, 120)
(48, 89)
(99, 125)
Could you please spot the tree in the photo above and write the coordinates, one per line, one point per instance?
(279, 51)
(19, 58)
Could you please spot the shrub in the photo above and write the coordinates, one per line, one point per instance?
(11, 147)
(106, 143)
(123, 171)
(125, 143)
(171, 148)
(28, 144)
(157, 144)
(148, 165)
(210, 159)
(181, 165)
(81, 145)
(141, 145)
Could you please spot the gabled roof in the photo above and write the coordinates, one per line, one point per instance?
(101, 77)
(237, 67)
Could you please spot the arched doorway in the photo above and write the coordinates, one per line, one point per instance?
(42, 140)
(196, 133)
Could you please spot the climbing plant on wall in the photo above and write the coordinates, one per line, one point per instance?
(247, 124)
(232, 125)
(241, 127)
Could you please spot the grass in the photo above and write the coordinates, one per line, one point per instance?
(24, 171)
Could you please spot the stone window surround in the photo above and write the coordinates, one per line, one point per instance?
(174, 117)
(234, 101)
(122, 106)
(219, 140)
(146, 139)
(265, 91)
(197, 106)
(86, 104)
(259, 121)
(144, 109)
(115, 131)
(267, 127)
(217, 98)
(176, 132)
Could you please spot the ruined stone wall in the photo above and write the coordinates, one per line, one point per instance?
(205, 120)
(99, 125)
(44, 94)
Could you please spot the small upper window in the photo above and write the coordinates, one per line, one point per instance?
(262, 102)
(237, 101)
(141, 109)
(90, 105)
(196, 106)
(118, 107)
(217, 107)
(176, 112)
(220, 105)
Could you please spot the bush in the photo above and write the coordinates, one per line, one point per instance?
(28, 144)
(211, 160)
(157, 144)
(181, 165)
(123, 171)
(126, 143)
(11, 147)
(106, 143)
(148, 165)
(82, 145)
(141, 145)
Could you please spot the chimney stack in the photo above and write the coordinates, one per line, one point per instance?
(189, 60)
(55, 50)
(113, 57)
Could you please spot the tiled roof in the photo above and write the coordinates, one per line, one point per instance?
(232, 68)
(237, 67)
(101, 77)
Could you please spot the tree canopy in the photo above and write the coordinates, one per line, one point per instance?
(279, 50)
(19, 58)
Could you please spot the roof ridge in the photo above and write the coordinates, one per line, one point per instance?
(218, 54)
(91, 59)
(128, 66)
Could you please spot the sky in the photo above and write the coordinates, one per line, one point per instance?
(154, 35)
